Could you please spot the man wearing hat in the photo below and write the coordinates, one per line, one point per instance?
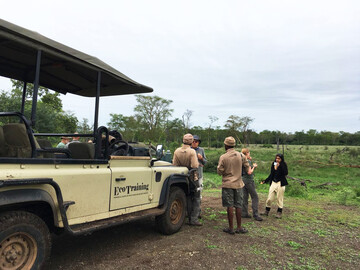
(230, 168)
(201, 159)
(64, 142)
(186, 156)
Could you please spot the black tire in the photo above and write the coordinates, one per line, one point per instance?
(172, 220)
(25, 241)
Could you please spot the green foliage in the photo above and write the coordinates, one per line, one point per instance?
(344, 195)
(295, 189)
(294, 245)
(49, 116)
(313, 164)
(267, 146)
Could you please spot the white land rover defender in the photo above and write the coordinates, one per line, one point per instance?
(87, 186)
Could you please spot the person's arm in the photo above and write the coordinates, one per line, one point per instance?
(284, 169)
(267, 180)
(245, 164)
(203, 160)
(175, 160)
(220, 167)
(251, 170)
(194, 160)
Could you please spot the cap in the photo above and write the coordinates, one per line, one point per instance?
(197, 138)
(230, 141)
(188, 138)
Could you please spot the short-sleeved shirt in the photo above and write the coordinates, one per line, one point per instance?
(185, 156)
(230, 168)
(248, 178)
(61, 145)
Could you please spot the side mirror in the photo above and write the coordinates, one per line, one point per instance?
(159, 151)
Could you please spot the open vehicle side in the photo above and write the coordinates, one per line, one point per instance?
(87, 186)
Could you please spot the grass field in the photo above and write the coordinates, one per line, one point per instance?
(330, 173)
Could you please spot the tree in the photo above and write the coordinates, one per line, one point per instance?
(246, 120)
(212, 119)
(128, 126)
(186, 119)
(234, 124)
(152, 112)
(50, 115)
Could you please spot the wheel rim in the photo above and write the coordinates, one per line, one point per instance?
(18, 251)
(176, 211)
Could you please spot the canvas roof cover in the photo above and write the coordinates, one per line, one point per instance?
(63, 69)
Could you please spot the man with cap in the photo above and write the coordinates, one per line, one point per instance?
(230, 168)
(186, 156)
(201, 159)
(64, 142)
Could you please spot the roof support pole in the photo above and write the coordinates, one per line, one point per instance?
(97, 101)
(36, 88)
(23, 98)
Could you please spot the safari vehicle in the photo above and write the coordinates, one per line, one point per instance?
(86, 187)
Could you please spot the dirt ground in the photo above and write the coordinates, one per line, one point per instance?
(309, 236)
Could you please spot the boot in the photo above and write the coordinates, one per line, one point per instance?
(279, 213)
(266, 213)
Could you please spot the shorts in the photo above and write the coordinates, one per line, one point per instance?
(232, 197)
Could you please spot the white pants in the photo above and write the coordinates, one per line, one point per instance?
(276, 190)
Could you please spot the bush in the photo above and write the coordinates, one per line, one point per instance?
(295, 189)
(267, 146)
(344, 195)
(212, 160)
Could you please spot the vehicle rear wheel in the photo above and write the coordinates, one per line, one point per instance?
(25, 241)
(172, 220)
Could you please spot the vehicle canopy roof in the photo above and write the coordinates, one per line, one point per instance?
(63, 69)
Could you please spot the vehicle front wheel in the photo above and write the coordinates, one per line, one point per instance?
(172, 220)
(25, 241)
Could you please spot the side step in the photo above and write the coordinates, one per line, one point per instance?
(110, 222)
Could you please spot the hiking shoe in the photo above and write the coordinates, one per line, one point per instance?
(195, 223)
(246, 216)
(257, 218)
(266, 213)
(278, 214)
(241, 230)
(228, 230)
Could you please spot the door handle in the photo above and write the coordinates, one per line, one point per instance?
(120, 179)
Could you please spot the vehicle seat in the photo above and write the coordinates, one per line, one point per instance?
(3, 146)
(82, 150)
(44, 143)
(17, 140)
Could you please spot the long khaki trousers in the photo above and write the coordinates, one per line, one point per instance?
(276, 190)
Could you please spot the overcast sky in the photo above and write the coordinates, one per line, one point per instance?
(290, 65)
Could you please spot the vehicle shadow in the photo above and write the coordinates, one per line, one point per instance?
(101, 247)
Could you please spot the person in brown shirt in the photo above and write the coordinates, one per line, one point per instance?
(230, 168)
(186, 156)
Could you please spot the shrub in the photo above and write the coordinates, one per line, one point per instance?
(344, 195)
(295, 189)
(267, 146)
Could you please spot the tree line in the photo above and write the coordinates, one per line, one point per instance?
(152, 123)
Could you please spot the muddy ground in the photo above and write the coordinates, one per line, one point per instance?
(311, 235)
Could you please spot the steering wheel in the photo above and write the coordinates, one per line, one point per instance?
(121, 150)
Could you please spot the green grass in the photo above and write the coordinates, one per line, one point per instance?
(316, 164)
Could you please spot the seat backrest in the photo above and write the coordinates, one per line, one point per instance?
(17, 140)
(82, 150)
(44, 143)
(3, 145)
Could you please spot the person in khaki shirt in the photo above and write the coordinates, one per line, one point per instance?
(186, 156)
(230, 168)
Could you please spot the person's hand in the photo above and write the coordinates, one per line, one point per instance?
(255, 165)
(200, 156)
(262, 182)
